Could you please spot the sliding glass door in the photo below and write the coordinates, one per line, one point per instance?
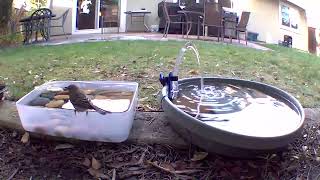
(109, 13)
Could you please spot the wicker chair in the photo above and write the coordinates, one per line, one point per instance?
(242, 26)
(212, 17)
(226, 3)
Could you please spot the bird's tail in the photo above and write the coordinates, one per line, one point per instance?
(99, 110)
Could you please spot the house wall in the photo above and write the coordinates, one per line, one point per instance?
(300, 36)
(265, 20)
(58, 8)
(151, 19)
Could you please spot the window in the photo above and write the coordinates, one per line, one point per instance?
(285, 14)
(289, 16)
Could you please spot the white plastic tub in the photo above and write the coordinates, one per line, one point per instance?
(113, 127)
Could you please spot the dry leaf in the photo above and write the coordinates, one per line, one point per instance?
(198, 156)
(193, 72)
(150, 87)
(167, 166)
(143, 99)
(86, 162)
(97, 174)
(63, 146)
(95, 164)
(25, 138)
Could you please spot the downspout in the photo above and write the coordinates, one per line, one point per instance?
(51, 4)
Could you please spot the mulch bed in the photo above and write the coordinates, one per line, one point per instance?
(45, 159)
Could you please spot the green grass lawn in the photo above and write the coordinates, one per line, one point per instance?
(142, 61)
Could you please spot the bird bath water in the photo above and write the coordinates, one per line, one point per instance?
(232, 117)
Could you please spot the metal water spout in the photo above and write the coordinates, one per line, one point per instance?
(171, 81)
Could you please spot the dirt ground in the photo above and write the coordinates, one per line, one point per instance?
(43, 159)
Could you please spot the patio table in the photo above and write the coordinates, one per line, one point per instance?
(138, 14)
(189, 20)
(27, 22)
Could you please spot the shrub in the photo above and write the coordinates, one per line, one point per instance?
(11, 40)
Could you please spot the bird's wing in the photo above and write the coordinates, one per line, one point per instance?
(83, 101)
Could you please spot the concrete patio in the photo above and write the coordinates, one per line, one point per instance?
(94, 37)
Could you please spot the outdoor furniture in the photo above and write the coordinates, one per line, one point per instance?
(173, 9)
(173, 19)
(39, 21)
(141, 14)
(110, 16)
(287, 41)
(213, 18)
(63, 18)
(225, 3)
(230, 22)
(242, 26)
(189, 18)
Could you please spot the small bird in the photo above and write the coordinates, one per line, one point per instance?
(81, 102)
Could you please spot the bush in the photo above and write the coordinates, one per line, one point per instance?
(11, 40)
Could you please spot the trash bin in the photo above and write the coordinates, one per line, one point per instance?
(252, 36)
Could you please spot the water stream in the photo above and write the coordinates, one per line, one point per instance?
(192, 47)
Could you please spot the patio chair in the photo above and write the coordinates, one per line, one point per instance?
(63, 18)
(110, 16)
(242, 26)
(226, 3)
(40, 22)
(172, 19)
(212, 17)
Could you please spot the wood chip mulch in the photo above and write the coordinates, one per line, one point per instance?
(42, 159)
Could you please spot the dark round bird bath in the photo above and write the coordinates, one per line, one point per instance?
(229, 142)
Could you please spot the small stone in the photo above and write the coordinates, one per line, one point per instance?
(62, 97)
(55, 104)
(39, 101)
(63, 93)
(49, 95)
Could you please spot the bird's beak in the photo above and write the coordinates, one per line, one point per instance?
(65, 89)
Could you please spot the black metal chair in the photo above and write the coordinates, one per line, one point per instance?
(172, 19)
(40, 22)
(61, 24)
